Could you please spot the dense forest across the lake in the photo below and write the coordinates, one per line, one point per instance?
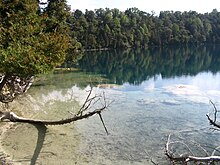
(112, 28)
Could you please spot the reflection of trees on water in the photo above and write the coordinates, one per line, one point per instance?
(66, 80)
(139, 65)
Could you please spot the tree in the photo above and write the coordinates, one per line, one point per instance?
(60, 19)
(26, 48)
(33, 41)
(111, 28)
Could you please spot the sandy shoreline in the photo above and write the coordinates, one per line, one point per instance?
(4, 157)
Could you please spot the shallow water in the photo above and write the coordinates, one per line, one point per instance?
(139, 120)
(153, 93)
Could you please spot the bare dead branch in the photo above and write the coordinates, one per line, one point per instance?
(87, 98)
(84, 112)
(208, 158)
(103, 123)
(88, 102)
(203, 159)
(186, 157)
(11, 86)
(215, 150)
(215, 110)
(12, 117)
(214, 120)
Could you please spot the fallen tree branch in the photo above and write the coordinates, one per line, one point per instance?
(82, 114)
(213, 121)
(186, 157)
(12, 117)
(11, 86)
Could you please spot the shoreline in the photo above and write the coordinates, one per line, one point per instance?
(4, 157)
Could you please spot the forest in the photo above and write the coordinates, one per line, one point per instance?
(132, 28)
(36, 37)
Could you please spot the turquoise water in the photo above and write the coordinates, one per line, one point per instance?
(141, 118)
(142, 113)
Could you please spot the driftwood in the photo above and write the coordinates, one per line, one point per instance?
(185, 158)
(12, 117)
(84, 112)
(190, 157)
(12, 86)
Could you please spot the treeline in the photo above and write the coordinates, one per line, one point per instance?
(111, 28)
(132, 28)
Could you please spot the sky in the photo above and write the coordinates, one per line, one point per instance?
(201, 6)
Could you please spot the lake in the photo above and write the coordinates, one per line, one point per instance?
(154, 93)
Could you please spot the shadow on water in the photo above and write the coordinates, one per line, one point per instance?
(42, 129)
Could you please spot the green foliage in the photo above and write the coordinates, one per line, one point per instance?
(27, 47)
(34, 40)
(111, 28)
